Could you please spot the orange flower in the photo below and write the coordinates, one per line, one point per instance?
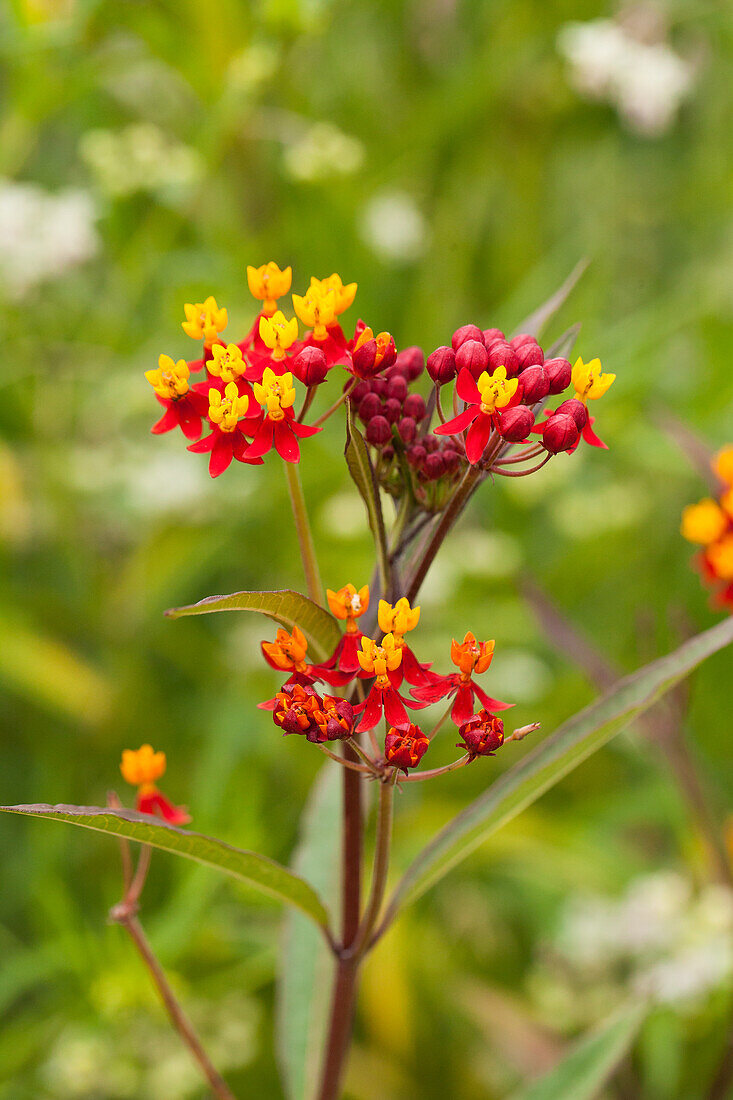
(287, 653)
(349, 603)
(471, 656)
(141, 767)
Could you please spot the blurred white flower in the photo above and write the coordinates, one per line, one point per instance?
(392, 225)
(321, 152)
(645, 81)
(42, 234)
(138, 158)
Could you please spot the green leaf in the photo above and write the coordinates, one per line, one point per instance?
(286, 607)
(362, 472)
(304, 987)
(256, 870)
(538, 320)
(575, 740)
(590, 1063)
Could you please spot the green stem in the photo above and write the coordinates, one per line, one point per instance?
(305, 538)
(380, 869)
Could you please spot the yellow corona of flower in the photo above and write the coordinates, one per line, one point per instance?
(723, 464)
(398, 619)
(589, 381)
(496, 389)
(227, 409)
(275, 392)
(277, 333)
(317, 310)
(378, 660)
(704, 522)
(204, 320)
(142, 766)
(227, 363)
(349, 603)
(268, 283)
(343, 295)
(170, 379)
(720, 556)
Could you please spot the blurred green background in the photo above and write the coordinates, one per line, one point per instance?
(456, 160)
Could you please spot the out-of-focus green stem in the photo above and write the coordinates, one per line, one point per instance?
(381, 866)
(305, 538)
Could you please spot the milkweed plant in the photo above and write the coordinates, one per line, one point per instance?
(422, 436)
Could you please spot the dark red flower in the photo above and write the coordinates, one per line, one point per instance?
(405, 748)
(482, 734)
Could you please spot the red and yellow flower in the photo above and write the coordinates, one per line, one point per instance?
(184, 406)
(278, 425)
(709, 523)
(382, 661)
(278, 334)
(471, 658)
(398, 620)
(231, 420)
(228, 363)
(485, 399)
(141, 768)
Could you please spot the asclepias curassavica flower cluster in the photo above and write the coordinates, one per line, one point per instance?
(422, 435)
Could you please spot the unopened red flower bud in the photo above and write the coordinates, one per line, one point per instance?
(523, 338)
(411, 362)
(491, 334)
(442, 365)
(407, 429)
(359, 392)
(576, 409)
(310, 366)
(502, 354)
(379, 386)
(516, 423)
(559, 372)
(397, 387)
(473, 356)
(414, 406)
(482, 734)
(379, 432)
(560, 433)
(464, 333)
(530, 355)
(534, 384)
(431, 442)
(392, 410)
(451, 460)
(374, 355)
(369, 407)
(434, 466)
(416, 455)
(405, 748)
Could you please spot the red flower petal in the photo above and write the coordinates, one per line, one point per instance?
(466, 387)
(222, 454)
(286, 444)
(262, 442)
(458, 423)
(477, 438)
(487, 702)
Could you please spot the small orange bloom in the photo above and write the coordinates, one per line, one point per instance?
(349, 603)
(399, 618)
(268, 283)
(471, 656)
(379, 660)
(288, 651)
(141, 767)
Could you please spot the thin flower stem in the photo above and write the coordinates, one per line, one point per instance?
(336, 405)
(438, 406)
(360, 752)
(455, 505)
(521, 456)
(380, 868)
(520, 473)
(417, 776)
(346, 763)
(307, 402)
(177, 1016)
(305, 538)
(441, 721)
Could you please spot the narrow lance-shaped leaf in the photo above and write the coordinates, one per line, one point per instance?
(576, 739)
(564, 344)
(362, 472)
(285, 607)
(591, 1061)
(258, 871)
(304, 985)
(541, 317)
